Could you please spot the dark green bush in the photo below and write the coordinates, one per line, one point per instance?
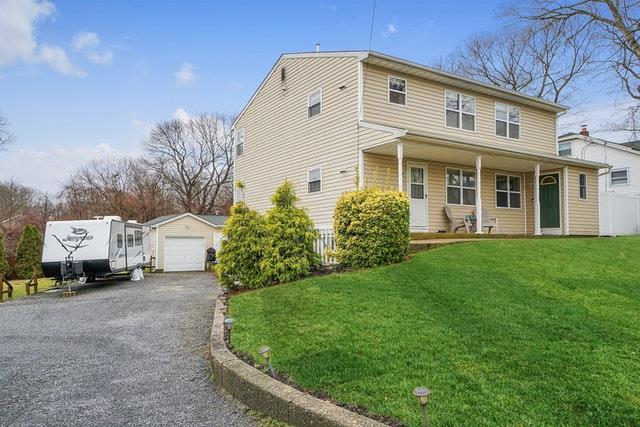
(289, 253)
(4, 263)
(29, 252)
(242, 249)
(371, 227)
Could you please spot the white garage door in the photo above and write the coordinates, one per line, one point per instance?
(184, 253)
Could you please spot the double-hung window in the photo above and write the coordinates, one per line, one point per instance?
(461, 187)
(314, 103)
(508, 191)
(239, 142)
(397, 91)
(620, 176)
(314, 180)
(460, 111)
(583, 185)
(564, 149)
(507, 121)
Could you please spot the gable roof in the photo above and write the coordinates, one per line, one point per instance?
(413, 68)
(215, 220)
(627, 147)
(632, 144)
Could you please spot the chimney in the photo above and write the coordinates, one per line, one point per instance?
(317, 47)
(584, 131)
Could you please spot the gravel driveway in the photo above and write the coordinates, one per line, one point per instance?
(117, 353)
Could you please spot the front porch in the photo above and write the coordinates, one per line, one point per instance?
(518, 193)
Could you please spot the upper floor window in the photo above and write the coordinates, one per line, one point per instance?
(314, 180)
(314, 103)
(507, 121)
(397, 91)
(239, 142)
(583, 185)
(461, 187)
(507, 191)
(564, 149)
(460, 111)
(620, 176)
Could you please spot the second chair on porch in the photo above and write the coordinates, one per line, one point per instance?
(487, 222)
(455, 223)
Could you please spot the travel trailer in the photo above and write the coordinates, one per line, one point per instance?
(88, 249)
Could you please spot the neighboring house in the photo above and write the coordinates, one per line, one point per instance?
(179, 242)
(624, 175)
(328, 121)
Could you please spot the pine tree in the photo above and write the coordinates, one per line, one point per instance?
(4, 263)
(29, 252)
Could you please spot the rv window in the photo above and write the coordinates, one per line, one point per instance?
(129, 240)
(119, 241)
(138, 235)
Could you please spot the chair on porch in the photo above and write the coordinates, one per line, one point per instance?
(487, 222)
(454, 223)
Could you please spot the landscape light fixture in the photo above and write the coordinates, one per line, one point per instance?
(228, 324)
(264, 351)
(422, 394)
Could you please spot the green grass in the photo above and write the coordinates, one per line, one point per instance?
(535, 332)
(19, 289)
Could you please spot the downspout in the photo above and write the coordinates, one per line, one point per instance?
(156, 250)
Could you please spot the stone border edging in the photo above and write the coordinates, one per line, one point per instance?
(259, 391)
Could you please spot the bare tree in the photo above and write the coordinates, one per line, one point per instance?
(6, 137)
(194, 158)
(15, 198)
(540, 60)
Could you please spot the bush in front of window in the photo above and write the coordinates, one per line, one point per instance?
(242, 249)
(371, 227)
(29, 252)
(289, 253)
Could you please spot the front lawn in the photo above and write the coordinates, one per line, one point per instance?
(503, 332)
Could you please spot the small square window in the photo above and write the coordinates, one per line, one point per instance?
(314, 180)
(564, 149)
(397, 91)
(620, 177)
(314, 102)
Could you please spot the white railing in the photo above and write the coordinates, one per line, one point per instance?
(325, 246)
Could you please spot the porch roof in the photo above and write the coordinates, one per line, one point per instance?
(443, 148)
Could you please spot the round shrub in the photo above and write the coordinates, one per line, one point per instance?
(242, 249)
(371, 227)
(4, 263)
(289, 252)
(29, 252)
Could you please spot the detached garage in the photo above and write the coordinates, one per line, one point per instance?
(179, 242)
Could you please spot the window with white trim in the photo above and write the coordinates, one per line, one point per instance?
(314, 103)
(397, 90)
(583, 185)
(564, 149)
(508, 191)
(461, 187)
(460, 111)
(239, 142)
(314, 180)
(507, 121)
(620, 176)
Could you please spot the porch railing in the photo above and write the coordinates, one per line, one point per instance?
(325, 246)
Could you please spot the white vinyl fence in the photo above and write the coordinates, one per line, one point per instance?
(619, 214)
(325, 246)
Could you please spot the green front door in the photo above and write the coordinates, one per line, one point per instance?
(549, 201)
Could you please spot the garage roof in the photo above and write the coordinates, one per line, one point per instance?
(216, 220)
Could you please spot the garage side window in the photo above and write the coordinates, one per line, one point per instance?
(138, 237)
(129, 240)
(119, 241)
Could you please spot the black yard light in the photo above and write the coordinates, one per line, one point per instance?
(422, 394)
(228, 325)
(264, 351)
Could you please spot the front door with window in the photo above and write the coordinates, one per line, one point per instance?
(549, 202)
(417, 190)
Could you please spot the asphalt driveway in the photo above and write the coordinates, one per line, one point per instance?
(117, 353)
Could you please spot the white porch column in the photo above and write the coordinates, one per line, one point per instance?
(360, 169)
(565, 199)
(536, 201)
(400, 154)
(478, 195)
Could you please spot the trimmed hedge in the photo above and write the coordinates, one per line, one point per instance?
(289, 253)
(29, 252)
(371, 227)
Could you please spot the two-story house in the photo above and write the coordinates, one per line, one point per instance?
(328, 121)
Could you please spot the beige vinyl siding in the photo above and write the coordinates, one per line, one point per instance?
(282, 143)
(184, 227)
(583, 214)
(425, 111)
(383, 171)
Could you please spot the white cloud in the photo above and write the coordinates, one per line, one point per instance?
(100, 58)
(390, 30)
(57, 59)
(88, 43)
(185, 75)
(182, 115)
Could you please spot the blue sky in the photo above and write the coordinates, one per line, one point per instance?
(84, 79)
